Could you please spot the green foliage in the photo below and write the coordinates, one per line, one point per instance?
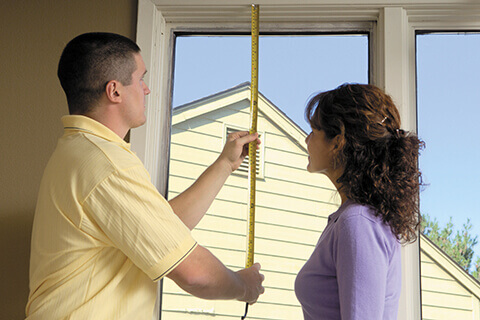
(458, 246)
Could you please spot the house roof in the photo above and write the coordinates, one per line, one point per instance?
(236, 94)
(449, 265)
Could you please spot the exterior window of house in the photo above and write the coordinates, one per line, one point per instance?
(211, 93)
(448, 73)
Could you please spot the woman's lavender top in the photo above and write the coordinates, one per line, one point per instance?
(354, 271)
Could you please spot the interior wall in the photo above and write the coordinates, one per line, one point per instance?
(32, 36)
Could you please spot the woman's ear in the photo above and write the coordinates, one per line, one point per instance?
(336, 147)
(112, 90)
(338, 142)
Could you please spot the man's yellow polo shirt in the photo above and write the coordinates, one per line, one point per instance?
(102, 233)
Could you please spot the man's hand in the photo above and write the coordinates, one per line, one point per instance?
(236, 148)
(253, 280)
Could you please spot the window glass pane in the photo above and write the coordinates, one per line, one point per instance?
(291, 68)
(448, 73)
(211, 98)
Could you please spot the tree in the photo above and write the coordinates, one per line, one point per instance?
(459, 246)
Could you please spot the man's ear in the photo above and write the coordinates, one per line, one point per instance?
(112, 90)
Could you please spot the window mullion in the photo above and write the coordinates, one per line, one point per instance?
(397, 78)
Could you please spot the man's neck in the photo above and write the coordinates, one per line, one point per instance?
(109, 120)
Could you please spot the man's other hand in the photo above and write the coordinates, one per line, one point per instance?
(253, 280)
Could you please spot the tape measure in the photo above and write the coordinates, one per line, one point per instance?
(252, 147)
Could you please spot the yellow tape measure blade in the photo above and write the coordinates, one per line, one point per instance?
(252, 148)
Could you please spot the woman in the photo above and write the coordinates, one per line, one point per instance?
(356, 141)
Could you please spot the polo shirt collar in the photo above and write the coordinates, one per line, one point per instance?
(88, 125)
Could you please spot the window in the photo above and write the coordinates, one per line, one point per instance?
(292, 205)
(448, 72)
(392, 26)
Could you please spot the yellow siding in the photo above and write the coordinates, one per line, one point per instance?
(443, 297)
(292, 210)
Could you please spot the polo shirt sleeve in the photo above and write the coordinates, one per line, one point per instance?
(361, 262)
(137, 220)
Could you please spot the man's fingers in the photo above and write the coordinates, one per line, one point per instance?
(236, 135)
(245, 140)
(242, 136)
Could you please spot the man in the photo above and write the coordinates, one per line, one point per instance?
(102, 234)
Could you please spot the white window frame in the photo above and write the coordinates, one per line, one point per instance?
(393, 24)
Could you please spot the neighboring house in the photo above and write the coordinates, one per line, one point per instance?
(448, 292)
(292, 207)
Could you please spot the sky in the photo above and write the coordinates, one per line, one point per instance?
(292, 68)
(448, 74)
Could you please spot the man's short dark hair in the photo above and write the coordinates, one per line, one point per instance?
(89, 62)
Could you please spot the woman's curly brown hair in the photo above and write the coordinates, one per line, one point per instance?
(380, 160)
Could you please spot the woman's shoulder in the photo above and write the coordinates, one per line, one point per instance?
(361, 217)
(353, 210)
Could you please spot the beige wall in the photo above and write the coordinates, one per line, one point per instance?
(32, 36)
